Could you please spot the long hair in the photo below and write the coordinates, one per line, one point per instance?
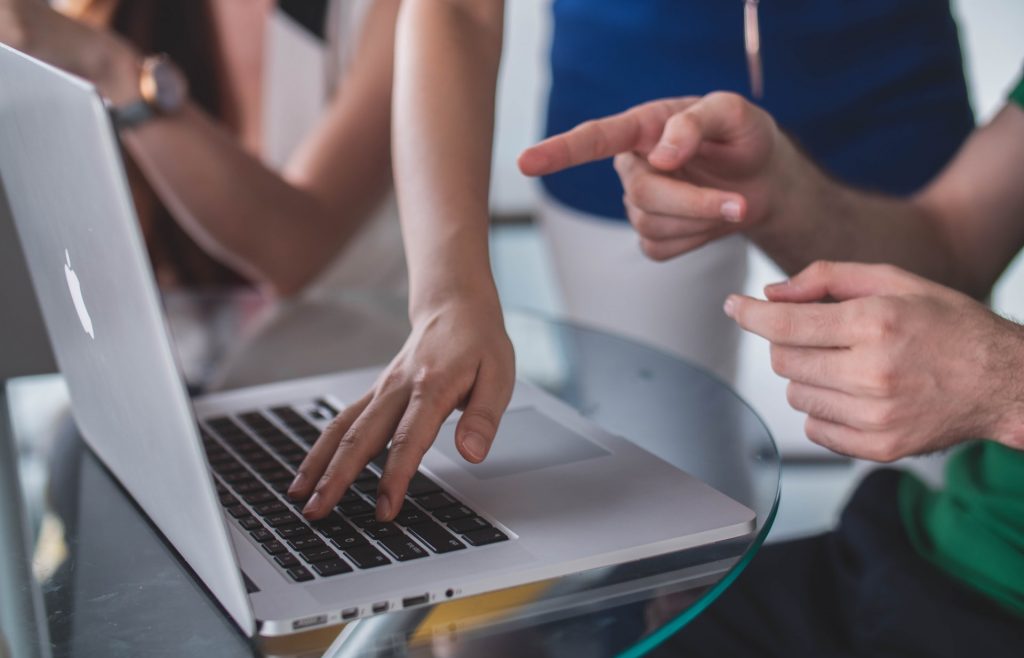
(184, 29)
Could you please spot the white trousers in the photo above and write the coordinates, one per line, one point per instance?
(607, 282)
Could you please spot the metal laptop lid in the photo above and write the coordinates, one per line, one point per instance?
(67, 191)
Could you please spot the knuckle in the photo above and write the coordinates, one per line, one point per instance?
(820, 268)
(780, 360)
(653, 250)
(639, 190)
(482, 417)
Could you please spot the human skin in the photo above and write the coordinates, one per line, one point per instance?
(886, 360)
(458, 354)
(278, 229)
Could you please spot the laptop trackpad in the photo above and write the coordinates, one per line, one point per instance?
(527, 440)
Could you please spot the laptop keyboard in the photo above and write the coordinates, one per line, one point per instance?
(254, 456)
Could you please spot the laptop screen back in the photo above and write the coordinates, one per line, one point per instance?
(69, 198)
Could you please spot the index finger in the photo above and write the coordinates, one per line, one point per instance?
(636, 129)
(796, 325)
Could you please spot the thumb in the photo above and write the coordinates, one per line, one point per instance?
(478, 425)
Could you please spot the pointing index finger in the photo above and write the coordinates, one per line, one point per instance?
(637, 129)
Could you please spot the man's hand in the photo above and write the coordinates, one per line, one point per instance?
(694, 169)
(457, 357)
(898, 366)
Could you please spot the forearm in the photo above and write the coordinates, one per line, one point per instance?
(443, 120)
(817, 218)
(237, 209)
(283, 229)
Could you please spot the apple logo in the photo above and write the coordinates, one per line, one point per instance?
(76, 296)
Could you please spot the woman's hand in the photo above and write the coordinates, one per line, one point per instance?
(101, 57)
(458, 356)
(899, 366)
(694, 169)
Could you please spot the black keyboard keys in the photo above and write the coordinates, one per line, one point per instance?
(410, 515)
(422, 485)
(463, 526)
(315, 555)
(274, 547)
(348, 542)
(449, 514)
(434, 501)
(366, 557)
(300, 574)
(287, 560)
(485, 536)
(403, 548)
(331, 567)
(436, 538)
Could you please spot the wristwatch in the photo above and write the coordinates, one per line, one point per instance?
(163, 91)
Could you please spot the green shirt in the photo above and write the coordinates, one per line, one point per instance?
(974, 528)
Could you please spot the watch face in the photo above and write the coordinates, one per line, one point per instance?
(163, 86)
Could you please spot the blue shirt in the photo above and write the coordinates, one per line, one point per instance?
(873, 89)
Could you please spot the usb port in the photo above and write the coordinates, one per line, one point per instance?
(349, 613)
(410, 601)
(309, 622)
(380, 607)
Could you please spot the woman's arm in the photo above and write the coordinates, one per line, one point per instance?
(458, 354)
(278, 229)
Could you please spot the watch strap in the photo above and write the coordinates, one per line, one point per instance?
(133, 114)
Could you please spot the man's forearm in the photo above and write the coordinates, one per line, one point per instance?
(446, 72)
(819, 218)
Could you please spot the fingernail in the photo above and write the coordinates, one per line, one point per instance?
(475, 446)
(665, 151)
(313, 506)
(383, 508)
(730, 305)
(776, 286)
(731, 211)
(293, 490)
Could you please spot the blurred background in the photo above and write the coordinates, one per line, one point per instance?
(990, 32)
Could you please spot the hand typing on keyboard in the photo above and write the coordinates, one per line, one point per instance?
(458, 357)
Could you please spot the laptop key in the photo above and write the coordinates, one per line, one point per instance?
(306, 543)
(258, 497)
(422, 485)
(367, 486)
(363, 521)
(331, 568)
(349, 542)
(282, 519)
(366, 557)
(410, 515)
(262, 535)
(403, 548)
(300, 574)
(436, 538)
(449, 514)
(382, 530)
(238, 511)
(462, 526)
(315, 555)
(287, 560)
(485, 536)
(433, 501)
(293, 531)
(266, 509)
(227, 500)
(355, 508)
(249, 522)
(274, 547)
(248, 487)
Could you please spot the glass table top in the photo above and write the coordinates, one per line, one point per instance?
(86, 574)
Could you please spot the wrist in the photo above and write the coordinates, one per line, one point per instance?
(1007, 425)
(440, 296)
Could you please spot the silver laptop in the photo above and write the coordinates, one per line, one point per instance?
(555, 496)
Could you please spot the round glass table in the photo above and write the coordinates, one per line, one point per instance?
(86, 574)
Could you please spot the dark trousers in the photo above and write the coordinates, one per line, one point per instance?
(860, 590)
